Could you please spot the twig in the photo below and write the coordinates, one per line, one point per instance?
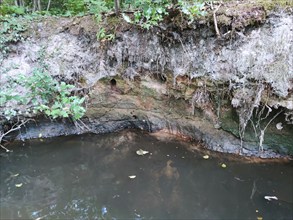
(254, 189)
(5, 148)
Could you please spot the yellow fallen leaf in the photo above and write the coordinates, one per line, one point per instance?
(259, 218)
(18, 185)
(39, 218)
(206, 157)
(132, 177)
(269, 198)
(279, 126)
(223, 165)
(141, 152)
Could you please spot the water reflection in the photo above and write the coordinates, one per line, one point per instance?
(87, 177)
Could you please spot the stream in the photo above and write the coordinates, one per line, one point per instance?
(102, 177)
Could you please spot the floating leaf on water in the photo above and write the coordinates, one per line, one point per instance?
(116, 196)
(269, 198)
(279, 126)
(206, 157)
(15, 175)
(36, 213)
(259, 218)
(40, 135)
(237, 178)
(223, 165)
(141, 152)
(132, 177)
(18, 185)
(39, 218)
(256, 211)
(104, 211)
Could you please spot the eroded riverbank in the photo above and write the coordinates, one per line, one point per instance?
(231, 89)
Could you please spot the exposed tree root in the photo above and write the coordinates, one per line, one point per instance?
(14, 127)
(215, 18)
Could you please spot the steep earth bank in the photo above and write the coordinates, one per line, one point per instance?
(230, 88)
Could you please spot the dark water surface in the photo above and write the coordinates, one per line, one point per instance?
(87, 177)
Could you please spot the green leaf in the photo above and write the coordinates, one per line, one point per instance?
(160, 10)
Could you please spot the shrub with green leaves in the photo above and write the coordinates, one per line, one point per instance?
(10, 32)
(43, 95)
(150, 12)
(6, 9)
(75, 7)
(103, 36)
(96, 7)
(81, 7)
(192, 8)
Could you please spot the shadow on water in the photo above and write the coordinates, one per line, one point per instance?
(87, 177)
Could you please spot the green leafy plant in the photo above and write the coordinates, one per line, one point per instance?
(149, 12)
(10, 32)
(43, 95)
(63, 105)
(7, 9)
(96, 7)
(81, 7)
(103, 36)
(75, 7)
(53, 98)
(192, 8)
